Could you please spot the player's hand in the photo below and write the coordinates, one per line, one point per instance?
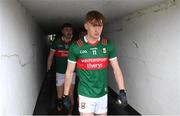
(48, 73)
(48, 70)
(66, 102)
(122, 99)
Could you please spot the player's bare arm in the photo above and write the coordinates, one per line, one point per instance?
(121, 99)
(68, 77)
(50, 59)
(117, 73)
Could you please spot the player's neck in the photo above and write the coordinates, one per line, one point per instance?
(65, 39)
(91, 39)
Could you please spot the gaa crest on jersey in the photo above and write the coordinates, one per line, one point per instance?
(83, 52)
(104, 50)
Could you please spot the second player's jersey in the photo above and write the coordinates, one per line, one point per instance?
(61, 53)
(91, 63)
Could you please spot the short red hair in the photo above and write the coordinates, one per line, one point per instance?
(94, 17)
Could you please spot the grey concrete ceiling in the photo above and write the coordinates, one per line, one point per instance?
(50, 14)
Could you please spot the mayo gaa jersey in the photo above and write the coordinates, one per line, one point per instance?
(91, 65)
(61, 55)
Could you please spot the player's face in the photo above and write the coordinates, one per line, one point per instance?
(67, 32)
(94, 29)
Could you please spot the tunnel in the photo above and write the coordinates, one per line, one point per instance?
(145, 33)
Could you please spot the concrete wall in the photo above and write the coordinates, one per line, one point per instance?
(148, 47)
(22, 65)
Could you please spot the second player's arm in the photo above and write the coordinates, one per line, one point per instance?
(50, 59)
(118, 74)
(68, 77)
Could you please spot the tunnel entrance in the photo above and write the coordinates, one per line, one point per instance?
(145, 34)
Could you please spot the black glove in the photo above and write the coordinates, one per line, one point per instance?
(66, 102)
(122, 98)
(48, 73)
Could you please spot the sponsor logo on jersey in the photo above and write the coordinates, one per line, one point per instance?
(92, 63)
(61, 53)
(83, 52)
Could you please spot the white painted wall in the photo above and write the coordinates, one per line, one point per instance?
(22, 65)
(148, 44)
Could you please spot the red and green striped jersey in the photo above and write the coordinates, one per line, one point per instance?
(91, 65)
(61, 54)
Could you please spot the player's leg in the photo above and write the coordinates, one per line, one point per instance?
(72, 92)
(86, 105)
(101, 106)
(60, 89)
(86, 114)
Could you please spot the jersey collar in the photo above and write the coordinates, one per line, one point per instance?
(85, 39)
(64, 40)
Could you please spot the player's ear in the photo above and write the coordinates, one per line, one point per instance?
(86, 26)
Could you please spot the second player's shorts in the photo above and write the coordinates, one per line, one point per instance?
(90, 105)
(60, 79)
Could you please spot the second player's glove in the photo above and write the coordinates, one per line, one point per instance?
(48, 73)
(66, 102)
(122, 98)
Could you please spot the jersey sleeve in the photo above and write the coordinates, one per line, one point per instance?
(112, 51)
(72, 55)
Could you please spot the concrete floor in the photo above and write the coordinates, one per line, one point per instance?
(46, 101)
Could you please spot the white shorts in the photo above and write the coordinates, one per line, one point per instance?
(60, 79)
(93, 105)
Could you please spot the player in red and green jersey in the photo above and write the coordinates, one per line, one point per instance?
(92, 61)
(59, 49)
(91, 55)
